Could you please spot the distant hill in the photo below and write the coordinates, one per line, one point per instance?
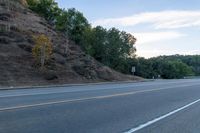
(18, 24)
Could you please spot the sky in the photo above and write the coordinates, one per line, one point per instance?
(162, 27)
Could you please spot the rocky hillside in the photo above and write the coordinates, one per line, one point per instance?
(18, 24)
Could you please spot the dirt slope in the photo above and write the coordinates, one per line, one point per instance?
(17, 26)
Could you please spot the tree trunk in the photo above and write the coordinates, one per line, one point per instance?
(42, 61)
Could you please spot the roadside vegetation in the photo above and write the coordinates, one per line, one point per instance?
(112, 47)
(168, 67)
(42, 50)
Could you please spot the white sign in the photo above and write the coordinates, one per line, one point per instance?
(133, 69)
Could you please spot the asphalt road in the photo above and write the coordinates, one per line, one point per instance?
(163, 106)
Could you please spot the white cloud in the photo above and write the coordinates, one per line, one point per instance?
(160, 20)
(151, 37)
(192, 52)
(151, 53)
(148, 53)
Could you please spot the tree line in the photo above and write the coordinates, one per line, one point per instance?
(113, 47)
(167, 67)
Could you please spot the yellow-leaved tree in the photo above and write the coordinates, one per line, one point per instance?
(42, 50)
(23, 2)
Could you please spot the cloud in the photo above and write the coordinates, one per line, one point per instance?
(148, 53)
(192, 52)
(152, 53)
(151, 37)
(170, 19)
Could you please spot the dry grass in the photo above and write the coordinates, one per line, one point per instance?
(17, 64)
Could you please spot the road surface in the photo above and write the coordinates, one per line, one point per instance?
(163, 106)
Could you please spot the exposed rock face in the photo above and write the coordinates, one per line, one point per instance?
(17, 26)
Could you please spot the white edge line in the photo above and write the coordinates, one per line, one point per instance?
(160, 118)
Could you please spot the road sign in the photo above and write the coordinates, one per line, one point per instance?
(133, 70)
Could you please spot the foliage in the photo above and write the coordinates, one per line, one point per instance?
(47, 8)
(23, 2)
(168, 67)
(42, 50)
(73, 24)
(190, 60)
(175, 69)
(111, 47)
(119, 48)
(32, 4)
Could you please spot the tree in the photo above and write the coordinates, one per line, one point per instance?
(47, 8)
(121, 45)
(176, 69)
(128, 44)
(23, 2)
(88, 42)
(95, 42)
(42, 49)
(111, 47)
(32, 4)
(164, 66)
(62, 24)
(73, 24)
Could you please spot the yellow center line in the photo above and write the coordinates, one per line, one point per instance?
(91, 98)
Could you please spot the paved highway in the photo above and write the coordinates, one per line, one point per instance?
(163, 106)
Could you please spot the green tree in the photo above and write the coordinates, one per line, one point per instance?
(165, 67)
(111, 47)
(73, 24)
(176, 69)
(120, 46)
(47, 8)
(97, 44)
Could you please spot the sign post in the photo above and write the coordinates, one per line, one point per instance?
(133, 70)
